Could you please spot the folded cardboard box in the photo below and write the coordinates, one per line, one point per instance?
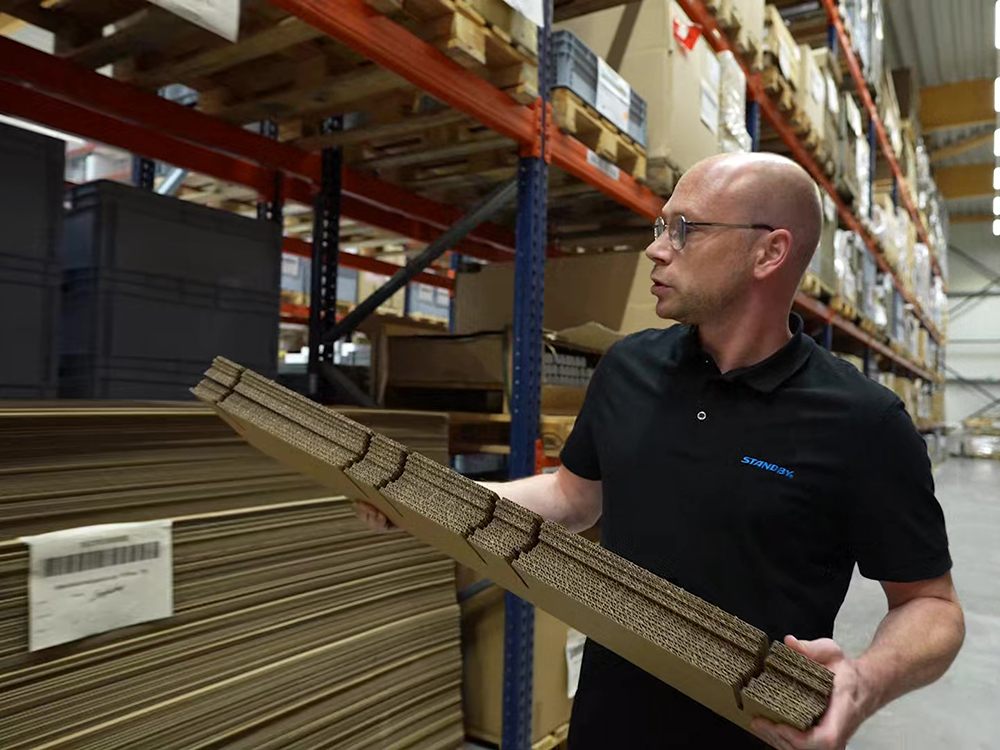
(708, 654)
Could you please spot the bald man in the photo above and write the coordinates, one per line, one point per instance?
(733, 456)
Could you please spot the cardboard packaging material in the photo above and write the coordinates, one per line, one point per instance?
(293, 624)
(482, 657)
(733, 134)
(751, 15)
(703, 651)
(823, 260)
(844, 254)
(610, 289)
(781, 48)
(832, 126)
(674, 69)
(811, 93)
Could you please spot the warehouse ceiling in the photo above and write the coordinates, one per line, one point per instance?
(950, 46)
(944, 41)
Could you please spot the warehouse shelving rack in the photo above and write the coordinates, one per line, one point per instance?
(59, 94)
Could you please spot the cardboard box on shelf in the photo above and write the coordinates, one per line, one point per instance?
(668, 62)
(473, 373)
(609, 289)
(811, 94)
(822, 263)
(780, 45)
(907, 93)
(751, 14)
(830, 70)
(368, 282)
(482, 657)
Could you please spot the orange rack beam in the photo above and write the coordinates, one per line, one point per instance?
(698, 13)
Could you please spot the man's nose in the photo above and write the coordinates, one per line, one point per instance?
(659, 251)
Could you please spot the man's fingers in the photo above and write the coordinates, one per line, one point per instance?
(823, 650)
(375, 519)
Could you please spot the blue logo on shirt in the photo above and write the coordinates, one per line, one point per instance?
(780, 470)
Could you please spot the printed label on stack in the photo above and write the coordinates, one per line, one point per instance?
(98, 578)
(603, 164)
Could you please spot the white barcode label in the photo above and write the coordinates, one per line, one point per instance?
(103, 558)
(289, 265)
(97, 578)
(614, 95)
(603, 164)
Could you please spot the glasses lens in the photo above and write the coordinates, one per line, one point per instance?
(659, 227)
(678, 232)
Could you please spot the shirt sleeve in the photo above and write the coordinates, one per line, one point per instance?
(897, 526)
(579, 453)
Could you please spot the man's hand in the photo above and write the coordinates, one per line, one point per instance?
(849, 703)
(375, 519)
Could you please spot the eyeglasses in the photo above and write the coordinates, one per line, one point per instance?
(677, 229)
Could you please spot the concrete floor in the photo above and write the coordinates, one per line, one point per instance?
(962, 710)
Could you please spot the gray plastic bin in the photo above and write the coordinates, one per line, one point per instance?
(576, 70)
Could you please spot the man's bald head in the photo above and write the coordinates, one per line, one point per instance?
(720, 270)
(763, 188)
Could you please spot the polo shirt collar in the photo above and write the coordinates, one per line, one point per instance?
(767, 375)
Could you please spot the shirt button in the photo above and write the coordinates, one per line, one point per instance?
(701, 416)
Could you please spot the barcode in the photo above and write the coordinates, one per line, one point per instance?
(102, 558)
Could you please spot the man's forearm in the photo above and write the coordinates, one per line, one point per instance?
(913, 646)
(544, 495)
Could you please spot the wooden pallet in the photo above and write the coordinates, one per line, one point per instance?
(472, 33)
(596, 132)
(778, 88)
(815, 288)
(555, 740)
(845, 308)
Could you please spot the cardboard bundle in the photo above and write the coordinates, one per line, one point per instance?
(294, 626)
(703, 651)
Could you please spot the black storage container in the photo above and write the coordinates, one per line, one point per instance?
(32, 176)
(29, 298)
(155, 287)
(32, 167)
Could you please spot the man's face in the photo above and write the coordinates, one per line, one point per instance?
(713, 269)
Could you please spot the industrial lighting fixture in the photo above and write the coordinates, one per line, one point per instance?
(24, 124)
(996, 205)
(996, 227)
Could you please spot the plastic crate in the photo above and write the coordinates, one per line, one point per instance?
(29, 297)
(576, 70)
(32, 174)
(127, 335)
(115, 226)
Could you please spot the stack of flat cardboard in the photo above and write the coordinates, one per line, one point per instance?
(703, 651)
(294, 626)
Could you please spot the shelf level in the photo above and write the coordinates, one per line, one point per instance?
(844, 47)
(698, 13)
(388, 44)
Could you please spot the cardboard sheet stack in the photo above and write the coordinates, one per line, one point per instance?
(294, 626)
(715, 658)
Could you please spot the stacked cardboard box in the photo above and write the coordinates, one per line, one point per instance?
(293, 624)
(781, 49)
(850, 140)
(668, 62)
(703, 651)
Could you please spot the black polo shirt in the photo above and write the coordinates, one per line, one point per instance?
(758, 490)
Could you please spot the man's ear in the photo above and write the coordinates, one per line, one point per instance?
(772, 253)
